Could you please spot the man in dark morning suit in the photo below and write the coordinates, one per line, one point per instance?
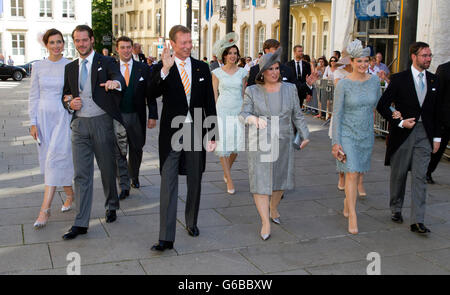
(271, 45)
(94, 82)
(443, 76)
(136, 95)
(188, 99)
(302, 70)
(413, 138)
(137, 53)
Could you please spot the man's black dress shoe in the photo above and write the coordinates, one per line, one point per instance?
(430, 179)
(73, 232)
(135, 184)
(397, 217)
(162, 245)
(124, 194)
(419, 228)
(110, 216)
(193, 231)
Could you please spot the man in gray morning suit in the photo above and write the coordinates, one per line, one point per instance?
(414, 93)
(93, 81)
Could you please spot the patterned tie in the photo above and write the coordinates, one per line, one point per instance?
(127, 74)
(299, 71)
(421, 84)
(84, 73)
(185, 78)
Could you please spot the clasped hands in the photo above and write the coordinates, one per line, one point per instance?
(260, 123)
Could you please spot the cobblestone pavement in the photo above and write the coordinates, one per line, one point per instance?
(312, 239)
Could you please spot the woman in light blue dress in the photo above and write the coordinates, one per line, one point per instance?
(50, 124)
(356, 97)
(228, 83)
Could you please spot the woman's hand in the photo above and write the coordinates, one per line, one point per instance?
(338, 153)
(304, 143)
(34, 132)
(260, 123)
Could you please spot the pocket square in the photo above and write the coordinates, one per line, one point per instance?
(141, 79)
(434, 89)
(284, 79)
(201, 79)
(99, 69)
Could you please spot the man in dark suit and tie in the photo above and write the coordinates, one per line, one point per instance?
(136, 95)
(443, 76)
(137, 53)
(414, 94)
(93, 81)
(188, 105)
(302, 70)
(271, 45)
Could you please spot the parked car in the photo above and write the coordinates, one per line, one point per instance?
(17, 73)
(28, 67)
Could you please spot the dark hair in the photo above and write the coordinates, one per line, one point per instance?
(333, 57)
(123, 39)
(261, 78)
(297, 46)
(205, 58)
(270, 43)
(83, 28)
(49, 33)
(416, 47)
(307, 58)
(175, 29)
(241, 62)
(225, 53)
(325, 62)
(338, 53)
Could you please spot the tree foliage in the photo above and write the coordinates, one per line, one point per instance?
(101, 22)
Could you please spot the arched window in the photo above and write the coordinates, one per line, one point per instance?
(261, 38)
(246, 41)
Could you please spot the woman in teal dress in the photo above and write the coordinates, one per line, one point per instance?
(228, 83)
(356, 97)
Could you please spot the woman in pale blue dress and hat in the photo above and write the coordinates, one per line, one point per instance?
(228, 83)
(356, 97)
(271, 109)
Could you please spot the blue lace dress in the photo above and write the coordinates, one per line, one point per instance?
(353, 109)
(228, 106)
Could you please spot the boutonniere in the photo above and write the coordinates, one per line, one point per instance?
(432, 81)
(198, 70)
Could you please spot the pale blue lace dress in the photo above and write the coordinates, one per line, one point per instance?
(353, 108)
(228, 106)
(53, 122)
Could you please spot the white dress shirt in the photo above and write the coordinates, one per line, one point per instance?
(123, 68)
(90, 60)
(188, 69)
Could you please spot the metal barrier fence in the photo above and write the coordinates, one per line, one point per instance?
(322, 101)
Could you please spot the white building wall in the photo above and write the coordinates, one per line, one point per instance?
(432, 27)
(34, 26)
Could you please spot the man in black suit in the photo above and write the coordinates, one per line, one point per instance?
(271, 45)
(136, 95)
(414, 94)
(137, 53)
(188, 105)
(302, 70)
(443, 74)
(93, 81)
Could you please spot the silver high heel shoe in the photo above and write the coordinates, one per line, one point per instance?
(276, 220)
(64, 208)
(265, 237)
(38, 224)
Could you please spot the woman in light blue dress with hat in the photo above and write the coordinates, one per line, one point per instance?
(228, 83)
(356, 97)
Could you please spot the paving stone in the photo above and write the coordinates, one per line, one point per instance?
(11, 235)
(29, 257)
(211, 263)
(438, 257)
(409, 264)
(282, 257)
